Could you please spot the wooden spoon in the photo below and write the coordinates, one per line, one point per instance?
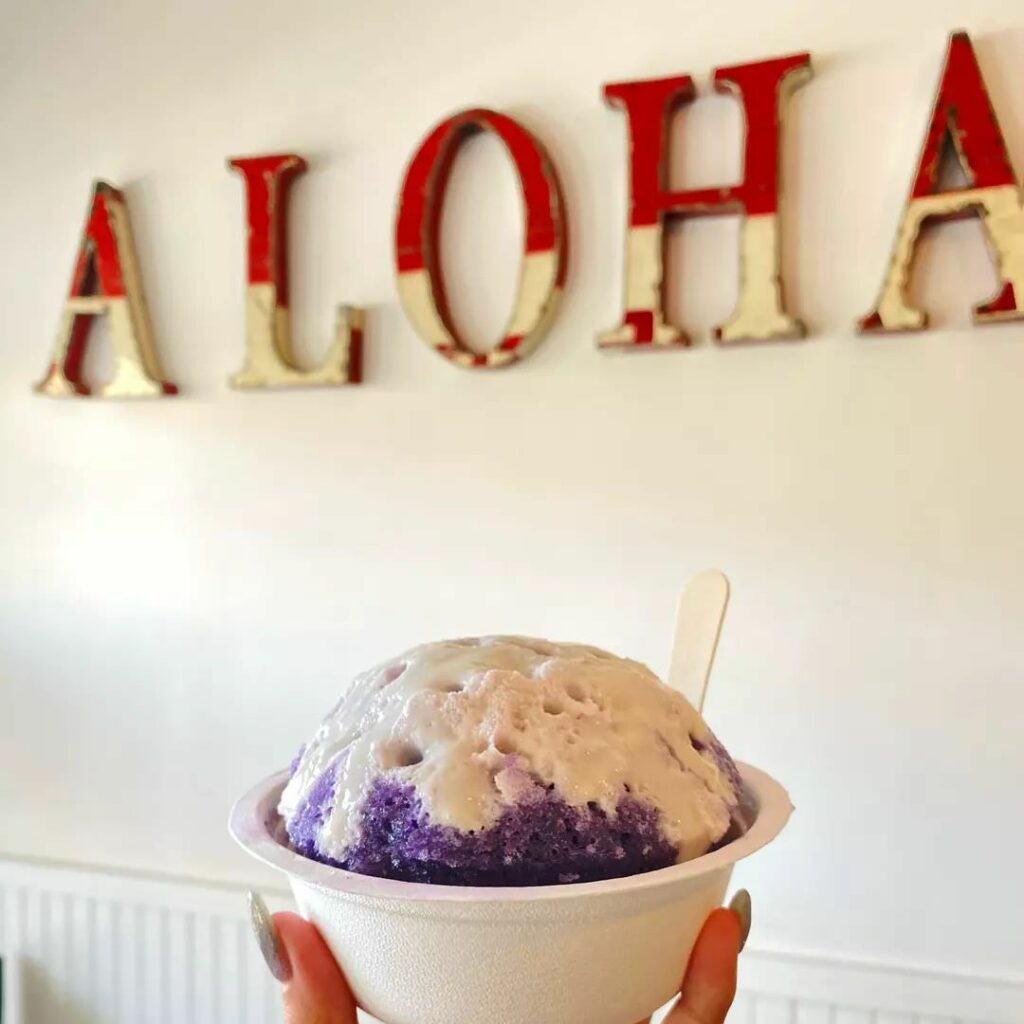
(699, 618)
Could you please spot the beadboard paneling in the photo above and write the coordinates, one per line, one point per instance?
(96, 947)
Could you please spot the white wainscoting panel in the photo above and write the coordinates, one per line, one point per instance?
(95, 947)
(90, 947)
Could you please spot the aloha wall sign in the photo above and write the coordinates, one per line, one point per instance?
(107, 280)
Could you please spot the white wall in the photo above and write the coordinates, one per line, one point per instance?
(186, 584)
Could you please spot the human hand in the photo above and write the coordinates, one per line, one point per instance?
(316, 992)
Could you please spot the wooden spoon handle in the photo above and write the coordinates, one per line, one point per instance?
(699, 618)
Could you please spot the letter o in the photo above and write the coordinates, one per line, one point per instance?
(417, 240)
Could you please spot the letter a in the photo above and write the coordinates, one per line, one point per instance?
(964, 114)
(106, 280)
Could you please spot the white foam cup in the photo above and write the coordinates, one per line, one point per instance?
(607, 952)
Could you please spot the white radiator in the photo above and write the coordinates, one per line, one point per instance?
(93, 947)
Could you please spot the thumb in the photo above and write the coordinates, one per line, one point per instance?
(316, 992)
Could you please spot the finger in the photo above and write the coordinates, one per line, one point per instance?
(710, 982)
(317, 992)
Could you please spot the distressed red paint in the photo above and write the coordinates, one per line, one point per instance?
(270, 358)
(98, 268)
(105, 281)
(355, 356)
(418, 230)
(267, 183)
(649, 106)
(963, 114)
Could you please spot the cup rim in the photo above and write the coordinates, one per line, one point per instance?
(254, 820)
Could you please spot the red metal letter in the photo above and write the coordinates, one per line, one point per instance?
(270, 359)
(963, 113)
(417, 236)
(762, 88)
(106, 280)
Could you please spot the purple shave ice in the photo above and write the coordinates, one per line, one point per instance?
(506, 761)
(542, 841)
(744, 813)
(315, 810)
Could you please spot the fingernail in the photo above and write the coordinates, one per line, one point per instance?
(267, 938)
(740, 906)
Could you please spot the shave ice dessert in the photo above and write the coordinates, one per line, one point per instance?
(509, 761)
